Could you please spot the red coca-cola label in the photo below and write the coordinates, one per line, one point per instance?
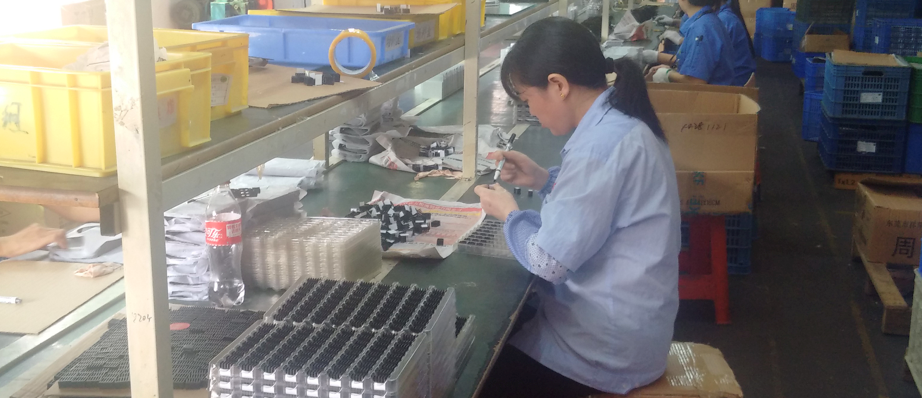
(224, 231)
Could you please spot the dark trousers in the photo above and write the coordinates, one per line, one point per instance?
(517, 375)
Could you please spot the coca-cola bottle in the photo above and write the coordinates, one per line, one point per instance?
(224, 240)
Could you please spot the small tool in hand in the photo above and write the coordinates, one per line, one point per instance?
(499, 168)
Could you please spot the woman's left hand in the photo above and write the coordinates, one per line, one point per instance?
(496, 200)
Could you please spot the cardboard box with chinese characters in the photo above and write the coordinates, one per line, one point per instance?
(713, 137)
(692, 371)
(888, 221)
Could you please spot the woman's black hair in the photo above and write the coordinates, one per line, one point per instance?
(562, 46)
(735, 7)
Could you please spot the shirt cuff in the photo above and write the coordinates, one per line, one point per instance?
(520, 226)
(551, 181)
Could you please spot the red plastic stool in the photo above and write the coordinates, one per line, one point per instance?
(703, 266)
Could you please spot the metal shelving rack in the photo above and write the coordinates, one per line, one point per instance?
(134, 201)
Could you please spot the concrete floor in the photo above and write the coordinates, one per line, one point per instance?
(802, 324)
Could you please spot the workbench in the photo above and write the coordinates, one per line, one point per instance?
(492, 289)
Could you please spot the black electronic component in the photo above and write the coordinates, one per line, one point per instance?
(240, 193)
(531, 192)
(517, 190)
(309, 81)
(328, 79)
(440, 242)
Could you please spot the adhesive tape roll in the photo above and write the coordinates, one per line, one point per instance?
(338, 68)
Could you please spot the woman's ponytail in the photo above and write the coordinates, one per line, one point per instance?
(630, 94)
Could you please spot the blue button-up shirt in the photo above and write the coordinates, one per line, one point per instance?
(705, 52)
(612, 219)
(744, 64)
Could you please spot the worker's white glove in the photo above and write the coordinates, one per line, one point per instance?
(664, 20)
(661, 75)
(673, 36)
(650, 56)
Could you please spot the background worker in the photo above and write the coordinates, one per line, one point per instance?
(606, 241)
(704, 56)
(35, 236)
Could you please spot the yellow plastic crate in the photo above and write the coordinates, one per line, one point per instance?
(229, 58)
(61, 121)
(424, 23)
(450, 23)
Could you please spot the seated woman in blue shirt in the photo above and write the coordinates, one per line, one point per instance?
(743, 61)
(606, 241)
(741, 49)
(705, 54)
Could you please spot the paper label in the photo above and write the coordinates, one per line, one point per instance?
(225, 231)
(424, 31)
(790, 26)
(867, 147)
(872, 98)
(168, 110)
(220, 89)
(876, 40)
(393, 41)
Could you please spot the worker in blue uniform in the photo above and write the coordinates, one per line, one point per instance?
(704, 56)
(741, 49)
(605, 244)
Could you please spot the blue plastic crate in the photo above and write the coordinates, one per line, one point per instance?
(305, 41)
(813, 112)
(913, 163)
(866, 92)
(900, 36)
(776, 48)
(757, 43)
(739, 261)
(825, 11)
(864, 137)
(856, 162)
(867, 10)
(863, 37)
(814, 70)
(799, 62)
(739, 231)
(775, 22)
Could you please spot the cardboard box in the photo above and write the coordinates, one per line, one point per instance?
(813, 43)
(748, 7)
(844, 57)
(750, 26)
(790, 4)
(849, 181)
(709, 131)
(888, 221)
(16, 216)
(747, 91)
(693, 371)
(709, 192)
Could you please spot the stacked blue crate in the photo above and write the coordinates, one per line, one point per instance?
(814, 71)
(913, 162)
(867, 10)
(800, 60)
(813, 112)
(864, 108)
(740, 231)
(900, 36)
(800, 30)
(775, 33)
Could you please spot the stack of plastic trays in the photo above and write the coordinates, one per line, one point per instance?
(282, 251)
(487, 240)
(284, 360)
(435, 317)
(464, 341)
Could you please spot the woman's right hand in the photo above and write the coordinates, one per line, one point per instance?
(520, 170)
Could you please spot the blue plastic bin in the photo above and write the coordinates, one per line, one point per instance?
(913, 163)
(813, 112)
(740, 230)
(799, 62)
(867, 10)
(866, 92)
(775, 22)
(305, 41)
(776, 48)
(814, 70)
(757, 43)
(864, 137)
(900, 36)
(867, 146)
(739, 261)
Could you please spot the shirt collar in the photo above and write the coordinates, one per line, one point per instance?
(725, 7)
(592, 118)
(700, 13)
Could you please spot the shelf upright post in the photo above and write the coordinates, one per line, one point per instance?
(471, 87)
(606, 23)
(563, 10)
(137, 143)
